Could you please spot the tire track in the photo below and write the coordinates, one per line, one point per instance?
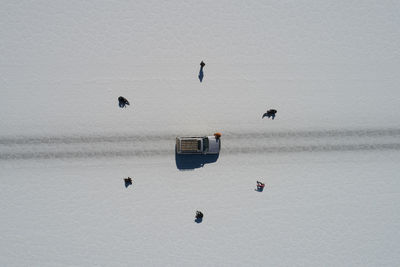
(114, 146)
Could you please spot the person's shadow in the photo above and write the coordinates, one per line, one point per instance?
(201, 73)
(193, 161)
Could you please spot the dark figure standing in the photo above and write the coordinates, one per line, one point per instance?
(128, 181)
(270, 113)
(123, 102)
(260, 186)
(199, 217)
(201, 73)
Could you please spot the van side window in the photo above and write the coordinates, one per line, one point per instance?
(205, 144)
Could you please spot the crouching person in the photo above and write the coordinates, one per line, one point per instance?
(260, 186)
(123, 102)
(199, 217)
(128, 181)
(270, 113)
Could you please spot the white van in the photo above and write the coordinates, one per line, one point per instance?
(199, 145)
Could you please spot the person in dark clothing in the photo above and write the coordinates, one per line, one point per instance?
(201, 73)
(260, 186)
(199, 217)
(128, 181)
(123, 102)
(270, 113)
